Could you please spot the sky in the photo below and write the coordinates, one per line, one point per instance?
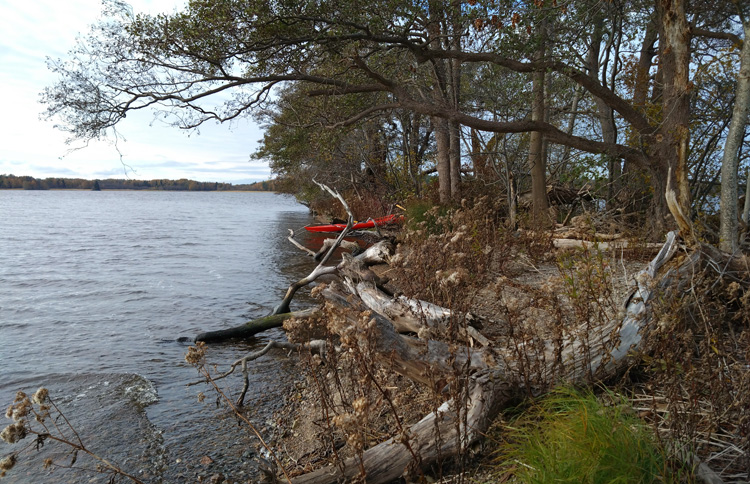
(33, 30)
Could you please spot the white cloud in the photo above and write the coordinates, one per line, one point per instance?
(34, 30)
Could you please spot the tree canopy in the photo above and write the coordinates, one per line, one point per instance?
(636, 94)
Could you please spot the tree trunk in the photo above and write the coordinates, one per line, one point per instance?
(605, 113)
(635, 176)
(442, 140)
(454, 97)
(645, 61)
(728, 233)
(478, 158)
(672, 137)
(537, 163)
(440, 97)
(455, 160)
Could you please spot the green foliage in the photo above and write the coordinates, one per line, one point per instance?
(572, 436)
(427, 216)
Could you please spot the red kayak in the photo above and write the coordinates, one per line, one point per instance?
(388, 219)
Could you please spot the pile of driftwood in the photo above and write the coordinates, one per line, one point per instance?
(395, 324)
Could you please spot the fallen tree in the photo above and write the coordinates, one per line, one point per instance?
(496, 375)
(408, 336)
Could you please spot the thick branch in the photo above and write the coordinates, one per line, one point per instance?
(590, 83)
(552, 133)
(699, 32)
(251, 328)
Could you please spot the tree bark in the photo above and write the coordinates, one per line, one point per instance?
(440, 97)
(454, 96)
(728, 233)
(537, 163)
(455, 160)
(442, 140)
(634, 174)
(673, 135)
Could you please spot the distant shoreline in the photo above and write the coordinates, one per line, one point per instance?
(133, 190)
(13, 182)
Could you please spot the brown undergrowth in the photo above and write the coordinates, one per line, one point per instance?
(519, 291)
(694, 385)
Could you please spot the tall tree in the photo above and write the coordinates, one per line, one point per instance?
(728, 233)
(537, 158)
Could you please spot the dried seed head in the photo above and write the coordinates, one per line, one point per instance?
(344, 421)
(360, 406)
(19, 410)
(196, 353)
(40, 396)
(14, 432)
(7, 462)
(356, 442)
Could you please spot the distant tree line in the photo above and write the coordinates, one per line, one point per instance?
(183, 184)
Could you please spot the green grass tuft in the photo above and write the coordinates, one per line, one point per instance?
(575, 437)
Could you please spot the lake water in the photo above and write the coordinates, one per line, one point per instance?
(97, 287)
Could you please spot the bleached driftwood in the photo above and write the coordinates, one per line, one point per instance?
(612, 245)
(494, 373)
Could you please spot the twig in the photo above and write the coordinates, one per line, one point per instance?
(298, 245)
(315, 346)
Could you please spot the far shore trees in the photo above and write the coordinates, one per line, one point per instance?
(53, 183)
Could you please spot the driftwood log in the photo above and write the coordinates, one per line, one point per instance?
(251, 328)
(375, 254)
(495, 374)
(611, 245)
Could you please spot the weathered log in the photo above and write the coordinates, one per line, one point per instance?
(612, 245)
(253, 327)
(497, 375)
(414, 316)
(375, 254)
(353, 247)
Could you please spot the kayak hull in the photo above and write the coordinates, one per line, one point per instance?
(388, 219)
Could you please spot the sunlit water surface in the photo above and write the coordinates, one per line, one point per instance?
(96, 288)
